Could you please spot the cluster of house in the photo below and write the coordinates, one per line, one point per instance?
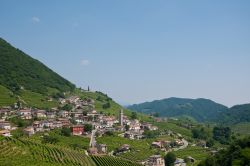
(167, 146)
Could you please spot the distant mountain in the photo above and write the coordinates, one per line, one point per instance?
(236, 114)
(19, 71)
(200, 109)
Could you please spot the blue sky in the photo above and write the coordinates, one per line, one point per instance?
(139, 50)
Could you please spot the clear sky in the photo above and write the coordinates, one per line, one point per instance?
(139, 50)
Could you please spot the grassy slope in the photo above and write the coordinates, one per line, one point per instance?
(198, 153)
(37, 100)
(64, 141)
(6, 97)
(140, 148)
(114, 107)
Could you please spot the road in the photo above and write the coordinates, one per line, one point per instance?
(185, 144)
(92, 142)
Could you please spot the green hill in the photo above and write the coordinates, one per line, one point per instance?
(237, 114)
(18, 70)
(199, 109)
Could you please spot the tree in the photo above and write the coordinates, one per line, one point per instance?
(106, 105)
(222, 134)
(67, 107)
(127, 127)
(200, 133)
(134, 115)
(65, 131)
(170, 159)
(88, 127)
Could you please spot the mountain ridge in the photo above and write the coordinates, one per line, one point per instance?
(201, 109)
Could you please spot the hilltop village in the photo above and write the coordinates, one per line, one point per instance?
(79, 115)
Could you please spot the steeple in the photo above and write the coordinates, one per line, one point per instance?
(121, 117)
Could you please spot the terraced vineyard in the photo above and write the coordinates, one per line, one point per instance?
(42, 154)
(112, 161)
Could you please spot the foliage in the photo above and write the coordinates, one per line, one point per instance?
(151, 134)
(20, 122)
(18, 70)
(236, 114)
(170, 159)
(88, 127)
(106, 105)
(200, 133)
(134, 115)
(238, 153)
(222, 134)
(65, 131)
(67, 107)
(6, 96)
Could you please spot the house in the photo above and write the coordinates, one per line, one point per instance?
(64, 114)
(77, 114)
(4, 112)
(40, 113)
(108, 121)
(5, 133)
(29, 131)
(133, 135)
(124, 148)
(47, 123)
(157, 144)
(51, 115)
(65, 122)
(179, 162)
(92, 150)
(38, 126)
(5, 125)
(57, 124)
(156, 160)
(102, 148)
(25, 114)
(77, 130)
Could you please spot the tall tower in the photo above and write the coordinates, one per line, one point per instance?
(121, 117)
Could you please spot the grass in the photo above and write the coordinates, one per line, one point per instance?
(198, 153)
(174, 127)
(6, 97)
(72, 142)
(140, 149)
(37, 100)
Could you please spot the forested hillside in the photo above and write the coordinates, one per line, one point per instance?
(19, 71)
(236, 114)
(200, 109)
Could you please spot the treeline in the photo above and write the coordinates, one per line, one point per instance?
(18, 70)
(238, 153)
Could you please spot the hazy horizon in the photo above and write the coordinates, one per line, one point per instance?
(138, 51)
